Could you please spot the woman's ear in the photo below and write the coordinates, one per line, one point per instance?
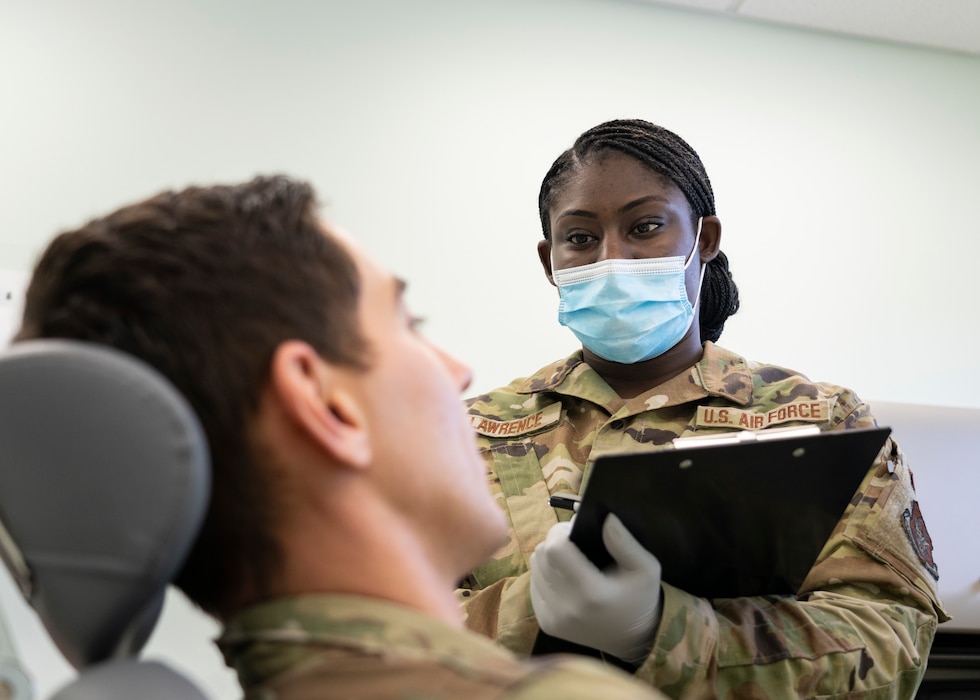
(544, 255)
(314, 398)
(710, 238)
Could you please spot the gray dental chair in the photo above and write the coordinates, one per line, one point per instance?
(104, 482)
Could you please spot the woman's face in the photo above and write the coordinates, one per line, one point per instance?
(614, 207)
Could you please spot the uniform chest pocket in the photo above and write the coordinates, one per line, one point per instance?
(519, 485)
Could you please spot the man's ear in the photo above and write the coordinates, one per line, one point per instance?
(314, 398)
(544, 255)
(710, 238)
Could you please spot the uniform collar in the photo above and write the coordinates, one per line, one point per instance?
(719, 372)
(270, 638)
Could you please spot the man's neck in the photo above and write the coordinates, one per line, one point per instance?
(386, 561)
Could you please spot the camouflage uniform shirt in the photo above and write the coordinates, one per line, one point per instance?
(861, 625)
(351, 647)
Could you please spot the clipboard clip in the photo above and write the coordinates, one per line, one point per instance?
(733, 438)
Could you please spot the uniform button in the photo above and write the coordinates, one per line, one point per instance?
(618, 424)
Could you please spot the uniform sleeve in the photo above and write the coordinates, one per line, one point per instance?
(861, 626)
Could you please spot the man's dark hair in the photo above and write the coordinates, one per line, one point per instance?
(672, 157)
(204, 284)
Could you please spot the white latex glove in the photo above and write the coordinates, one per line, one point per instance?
(616, 610)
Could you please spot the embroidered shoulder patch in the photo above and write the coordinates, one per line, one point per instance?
(727, 417)
(518, 426)
(915, 528)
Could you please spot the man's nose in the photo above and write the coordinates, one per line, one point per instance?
(462, 374)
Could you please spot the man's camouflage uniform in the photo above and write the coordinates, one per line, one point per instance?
(863, 621)
(346, 647)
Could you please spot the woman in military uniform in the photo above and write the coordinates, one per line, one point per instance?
(632, 241)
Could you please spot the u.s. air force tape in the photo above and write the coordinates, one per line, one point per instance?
(727, 417)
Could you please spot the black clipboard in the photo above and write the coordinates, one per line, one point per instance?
(738, 514)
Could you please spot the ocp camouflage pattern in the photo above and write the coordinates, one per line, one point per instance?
(317, 647)
(863, 621)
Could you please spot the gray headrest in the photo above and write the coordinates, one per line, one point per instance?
(104, 482)
(130, 679)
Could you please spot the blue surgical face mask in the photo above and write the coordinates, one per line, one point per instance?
(628, 310)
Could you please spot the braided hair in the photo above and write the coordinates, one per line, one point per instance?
(668, 154)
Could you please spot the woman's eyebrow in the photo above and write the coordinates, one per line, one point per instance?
(643, 200)
(622, 210)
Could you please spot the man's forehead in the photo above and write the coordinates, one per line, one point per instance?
(338, 233)
(371, 272)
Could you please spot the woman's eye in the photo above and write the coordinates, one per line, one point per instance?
(647, 227)
(578, 238)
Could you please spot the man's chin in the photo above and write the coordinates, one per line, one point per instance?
(490, 539)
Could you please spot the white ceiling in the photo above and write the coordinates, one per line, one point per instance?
(953, 25)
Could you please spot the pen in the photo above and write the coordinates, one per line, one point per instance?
(567, 501)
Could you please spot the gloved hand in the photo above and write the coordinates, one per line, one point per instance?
(616, 610)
